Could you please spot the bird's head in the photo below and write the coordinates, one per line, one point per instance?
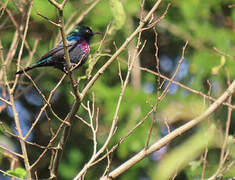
(84, 32)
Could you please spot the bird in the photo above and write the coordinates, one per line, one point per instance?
(78, 48)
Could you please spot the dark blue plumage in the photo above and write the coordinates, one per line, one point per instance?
(78, 48)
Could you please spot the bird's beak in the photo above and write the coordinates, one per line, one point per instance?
(94, 33)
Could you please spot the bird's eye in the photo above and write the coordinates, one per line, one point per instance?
(88, 31)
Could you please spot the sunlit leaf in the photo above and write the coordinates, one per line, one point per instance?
(18, 172)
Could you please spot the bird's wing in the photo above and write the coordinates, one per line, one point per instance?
(58, 49)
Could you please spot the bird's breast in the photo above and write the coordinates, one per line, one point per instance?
(84, 47)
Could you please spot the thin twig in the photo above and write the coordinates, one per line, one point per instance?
(12, 152)
(206, 150)
(47, 103)
(223, 54)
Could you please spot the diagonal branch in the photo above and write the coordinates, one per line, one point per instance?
(165, 140)
(116, 54)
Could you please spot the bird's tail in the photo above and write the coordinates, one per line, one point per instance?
(27, 69)
(38, 64)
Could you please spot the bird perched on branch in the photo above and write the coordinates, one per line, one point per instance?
(78, 48)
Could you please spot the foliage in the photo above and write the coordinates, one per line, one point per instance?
(18, 172)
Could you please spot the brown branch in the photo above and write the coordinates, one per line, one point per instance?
(54, 3)
(49, 146)
(11, 96)
(11, 152)
(5, 101)
(22, 45)
(116, 54)
(166, 139)
(46, 18)
(3, 7)
(175, 73)
(153, 109)
(77, 102)
(124, 137)
(10, 175)
(47, 103)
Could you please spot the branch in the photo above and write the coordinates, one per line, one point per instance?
(11, 96)
(76, 105)
(116, 54)
(22, 45)
(165, 140)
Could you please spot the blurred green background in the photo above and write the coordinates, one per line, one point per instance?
(205, 24)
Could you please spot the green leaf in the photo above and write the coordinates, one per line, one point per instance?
(18, 172)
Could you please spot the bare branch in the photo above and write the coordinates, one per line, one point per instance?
(116, 54)
(166, 139)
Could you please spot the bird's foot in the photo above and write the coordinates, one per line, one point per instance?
(65, 70)
(76, 84)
